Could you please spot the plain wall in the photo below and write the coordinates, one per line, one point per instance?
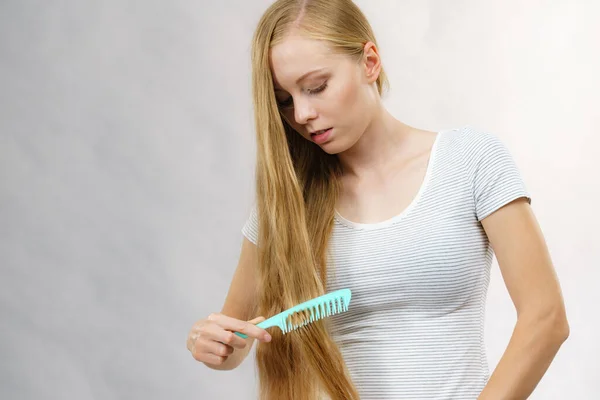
(127, 172)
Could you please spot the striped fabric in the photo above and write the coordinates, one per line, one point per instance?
(419, 280)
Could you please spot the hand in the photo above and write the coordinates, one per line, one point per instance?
(212, 340)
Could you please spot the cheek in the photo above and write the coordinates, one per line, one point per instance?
(348, 98)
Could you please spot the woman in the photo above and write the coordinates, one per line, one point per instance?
(350, 197)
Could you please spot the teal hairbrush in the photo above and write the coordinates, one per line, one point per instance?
(308, 312)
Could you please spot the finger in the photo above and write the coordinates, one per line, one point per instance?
(206, 350)
(190, 343)
(209, 358)
(191, 340)
(256, 320)
(212, 347)
(215, 332)
(237, 325)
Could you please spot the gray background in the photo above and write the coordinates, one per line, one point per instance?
(127, 156)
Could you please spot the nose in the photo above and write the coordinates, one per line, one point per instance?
(303, 111)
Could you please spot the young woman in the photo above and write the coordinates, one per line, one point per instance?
(348, 196)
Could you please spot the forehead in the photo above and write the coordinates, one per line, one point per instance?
(297, 55)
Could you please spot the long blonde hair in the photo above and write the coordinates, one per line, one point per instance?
(297, 185)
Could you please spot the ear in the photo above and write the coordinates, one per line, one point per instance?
(371, 62)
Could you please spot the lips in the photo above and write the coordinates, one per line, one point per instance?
(319, 132)
(322, 136)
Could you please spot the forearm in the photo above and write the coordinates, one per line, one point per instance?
(532, 347)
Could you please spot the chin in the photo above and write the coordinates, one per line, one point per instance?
(332, 148)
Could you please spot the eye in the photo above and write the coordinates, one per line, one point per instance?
(289, 102)
(319, 89)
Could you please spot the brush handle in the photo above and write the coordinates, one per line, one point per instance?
(268, 323)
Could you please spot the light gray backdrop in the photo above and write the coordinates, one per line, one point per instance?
(127, 163)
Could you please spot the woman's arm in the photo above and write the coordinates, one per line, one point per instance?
(240, 302)
(542, 325)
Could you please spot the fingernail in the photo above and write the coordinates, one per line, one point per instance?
(267, 337)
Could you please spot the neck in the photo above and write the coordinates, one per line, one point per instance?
(383, 141)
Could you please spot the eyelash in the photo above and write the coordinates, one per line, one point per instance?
(287, 103)
(319, 89)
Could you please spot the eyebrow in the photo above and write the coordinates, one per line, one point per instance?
(306, 75)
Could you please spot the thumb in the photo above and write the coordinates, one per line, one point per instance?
(257, 320)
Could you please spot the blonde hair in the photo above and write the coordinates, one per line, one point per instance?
(297, 185)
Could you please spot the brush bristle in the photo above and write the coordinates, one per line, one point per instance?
(315, 313)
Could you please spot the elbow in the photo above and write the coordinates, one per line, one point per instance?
(558, 322)
(558, 325)
(552, 323)
(563, 329)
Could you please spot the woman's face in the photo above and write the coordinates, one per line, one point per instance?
(318, 89)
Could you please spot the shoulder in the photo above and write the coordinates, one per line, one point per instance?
(493, 175)
(475, 145)
(471, 137)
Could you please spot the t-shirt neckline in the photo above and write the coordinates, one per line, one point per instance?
(409, 208)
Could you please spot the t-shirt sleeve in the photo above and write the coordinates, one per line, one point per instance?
(250, 228)
(495, 177)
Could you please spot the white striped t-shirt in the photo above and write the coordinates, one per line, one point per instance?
(414, 329)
